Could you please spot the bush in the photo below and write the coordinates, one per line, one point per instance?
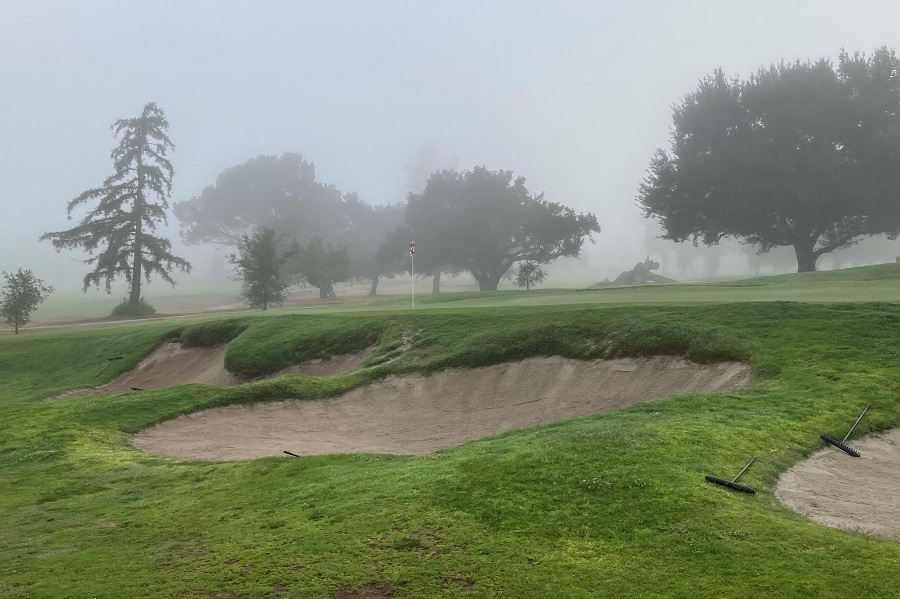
(127, 309)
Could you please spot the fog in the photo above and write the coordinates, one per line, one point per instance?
(574, 96)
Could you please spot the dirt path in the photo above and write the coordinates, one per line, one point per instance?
(416, 415)
(838, 490)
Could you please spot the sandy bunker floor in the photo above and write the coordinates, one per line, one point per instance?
(838, 490)
(172, 365)
(415, 415)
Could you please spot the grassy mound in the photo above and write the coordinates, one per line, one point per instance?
(605, 506)
(878, 272)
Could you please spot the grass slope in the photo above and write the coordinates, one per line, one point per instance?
(606, 506)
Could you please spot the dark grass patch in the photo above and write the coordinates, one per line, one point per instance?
(213, 332)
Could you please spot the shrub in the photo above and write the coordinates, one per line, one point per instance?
(127, 309)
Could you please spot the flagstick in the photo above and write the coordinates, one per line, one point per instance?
(412, 278)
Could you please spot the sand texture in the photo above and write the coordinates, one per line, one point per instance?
(415, 415)
(838, 490)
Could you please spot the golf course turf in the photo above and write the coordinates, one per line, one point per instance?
(613, 505)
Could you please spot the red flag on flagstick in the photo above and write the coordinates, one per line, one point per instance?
(412, 248)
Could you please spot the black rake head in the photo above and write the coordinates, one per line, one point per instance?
(730, 484)
(840, 445)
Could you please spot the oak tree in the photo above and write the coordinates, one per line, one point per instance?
(278, 192)
(801, 154)
(485, 221)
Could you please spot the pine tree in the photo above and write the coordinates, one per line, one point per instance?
(259, 266)
(117, 233)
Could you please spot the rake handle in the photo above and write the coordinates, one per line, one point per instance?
(847, 436)
(742, 471)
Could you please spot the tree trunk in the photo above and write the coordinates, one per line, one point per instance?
(436, 283)
(806, 256)
(489, 284)
(326, 292)
(373, 290)
(486, 281)
(135, 295)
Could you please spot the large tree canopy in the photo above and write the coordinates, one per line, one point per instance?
(281, 193)
(365, 230)
(485, 221)
(276, 192)
(117, 232)
(801, 154)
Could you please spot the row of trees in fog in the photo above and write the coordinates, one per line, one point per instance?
(802, 155)
(477, 221)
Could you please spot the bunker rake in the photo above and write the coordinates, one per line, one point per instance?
(733, 484)
(127, 392)
(842, 444)
(108, 362)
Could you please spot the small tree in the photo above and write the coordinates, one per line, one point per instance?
(22, 293)
(259, 267)
(530, 273)
(117, 232)
(321, 266)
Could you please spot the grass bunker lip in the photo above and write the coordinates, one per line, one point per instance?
(416, 414)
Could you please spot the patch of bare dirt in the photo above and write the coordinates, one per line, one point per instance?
(416, 415)
(371, 591)
(860, 494)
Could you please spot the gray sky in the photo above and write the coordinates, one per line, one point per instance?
(575, 96)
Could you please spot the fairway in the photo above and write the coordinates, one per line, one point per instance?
(606, 505)
(879, 283)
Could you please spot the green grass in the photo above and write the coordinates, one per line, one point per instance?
(864, 284)
(879, 272)
(606, 506)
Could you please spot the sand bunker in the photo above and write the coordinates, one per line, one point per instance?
(838, 490)
(171, 365)
(332, 366)
(414, 415)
